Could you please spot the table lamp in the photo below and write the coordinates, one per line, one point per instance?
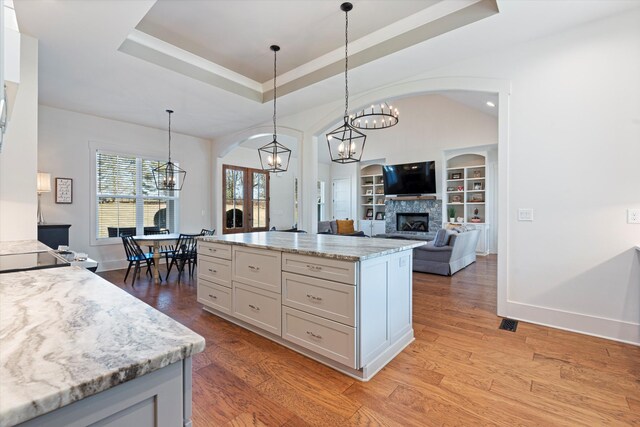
(43, 186)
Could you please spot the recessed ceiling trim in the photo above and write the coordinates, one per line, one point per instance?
(156, 51)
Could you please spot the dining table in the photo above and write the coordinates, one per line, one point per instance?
(155, 241)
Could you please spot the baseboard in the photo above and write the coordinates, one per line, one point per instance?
(601, 327)
(112, 265)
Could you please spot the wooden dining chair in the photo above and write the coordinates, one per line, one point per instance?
(135, 255)
(185, 253)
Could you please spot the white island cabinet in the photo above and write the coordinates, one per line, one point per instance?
(343, 301)
(76, 351)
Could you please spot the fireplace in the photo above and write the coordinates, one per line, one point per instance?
(412, 222)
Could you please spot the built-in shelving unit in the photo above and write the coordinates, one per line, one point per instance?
(372, 198)
(466, 192)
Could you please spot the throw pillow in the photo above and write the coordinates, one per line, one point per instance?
(442, 238)
(345, 226)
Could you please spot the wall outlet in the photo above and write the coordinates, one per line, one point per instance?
(525, 214)
(633, 216)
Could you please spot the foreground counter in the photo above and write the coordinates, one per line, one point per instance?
(75, 350)
(343, 301)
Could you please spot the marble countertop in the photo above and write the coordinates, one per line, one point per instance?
(66, 334)
(22, 247)
(346, 248)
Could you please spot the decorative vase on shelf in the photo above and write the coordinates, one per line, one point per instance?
(452, 220)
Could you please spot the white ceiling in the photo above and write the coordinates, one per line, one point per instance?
(81, 68)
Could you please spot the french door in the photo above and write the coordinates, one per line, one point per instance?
(245, 204)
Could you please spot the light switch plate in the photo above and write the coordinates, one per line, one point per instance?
(633, 216)
(525, 214)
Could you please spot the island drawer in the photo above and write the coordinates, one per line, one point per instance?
(215, 270)
(330, 339)
(257, 267)
(331, 300)
(258, 307)
(218, 250)
(214, 296)
(324, 268)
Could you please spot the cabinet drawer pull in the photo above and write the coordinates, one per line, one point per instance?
(212, 250)
(213, 296)
(213, 271)
(314, 335)
(255, 307)
(313, 297)
(254, 268)
(314, 267)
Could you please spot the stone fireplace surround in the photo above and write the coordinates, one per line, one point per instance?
(394, 207)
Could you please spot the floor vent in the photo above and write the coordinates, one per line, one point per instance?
(509, 325)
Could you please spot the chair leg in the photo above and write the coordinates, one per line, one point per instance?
(136, 272)
(173, 261)
(128, 269)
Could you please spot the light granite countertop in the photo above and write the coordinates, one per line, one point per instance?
(22, 247)
(345, 248)
(66, 334)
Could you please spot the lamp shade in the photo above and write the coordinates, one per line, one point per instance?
(44, 182)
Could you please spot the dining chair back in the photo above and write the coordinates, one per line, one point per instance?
(206, 232)
(185, 252)
(135, 256)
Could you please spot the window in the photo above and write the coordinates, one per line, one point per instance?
(127, 201)
(246, 200)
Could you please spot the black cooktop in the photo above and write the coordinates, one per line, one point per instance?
(31, 261)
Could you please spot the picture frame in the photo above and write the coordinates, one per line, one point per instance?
(369, 213)
(456, 175)
(456, 198)
(369, 192)
(476, 197)
(64, 190)
(477, 185)
(379, 215)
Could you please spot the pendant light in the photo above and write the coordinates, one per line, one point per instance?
(378, 116)
(169, 177)
(346, 143)
(274, 157)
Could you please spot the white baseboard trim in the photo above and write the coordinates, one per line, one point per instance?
(112, 265)
(601, 327)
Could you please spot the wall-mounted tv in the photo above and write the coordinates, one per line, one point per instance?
(410, 178)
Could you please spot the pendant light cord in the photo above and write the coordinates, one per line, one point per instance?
(169, 137)
(275, 55)
(346, 63)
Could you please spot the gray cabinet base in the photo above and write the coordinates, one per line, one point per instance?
(159, 399)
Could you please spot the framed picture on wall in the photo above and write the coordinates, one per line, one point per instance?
(64, 190)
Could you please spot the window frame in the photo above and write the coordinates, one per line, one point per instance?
(94, 149)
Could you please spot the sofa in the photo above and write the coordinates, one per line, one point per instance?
(458, 252)
(331, 227)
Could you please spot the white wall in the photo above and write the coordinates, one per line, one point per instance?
(324, 174)
(281, 188)
(573, 148)
(63, 151)
(19, 157)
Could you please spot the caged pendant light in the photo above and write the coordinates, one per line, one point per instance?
(168, 176)
(274, 157)
(346, 143)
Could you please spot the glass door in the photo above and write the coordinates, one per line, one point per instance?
(246, 200)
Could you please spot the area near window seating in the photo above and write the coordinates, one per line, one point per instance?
(319, 213)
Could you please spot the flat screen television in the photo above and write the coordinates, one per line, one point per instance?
(410, 179)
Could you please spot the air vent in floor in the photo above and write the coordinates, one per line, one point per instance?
(509, 325)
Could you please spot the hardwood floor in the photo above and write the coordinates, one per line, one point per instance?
(461, 369)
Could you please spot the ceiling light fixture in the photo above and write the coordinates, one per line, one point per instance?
(378, 116)
(490, 104)
(169, 177)
(346, 143)
(274, 157)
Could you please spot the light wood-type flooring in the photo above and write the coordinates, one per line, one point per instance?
(461, 369)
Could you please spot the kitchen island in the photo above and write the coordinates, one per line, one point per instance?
(75, 350)
(343, 301)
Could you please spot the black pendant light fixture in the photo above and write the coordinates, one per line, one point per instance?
(378, 116)
(274, 157)
(168, 176)
(346, 143)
